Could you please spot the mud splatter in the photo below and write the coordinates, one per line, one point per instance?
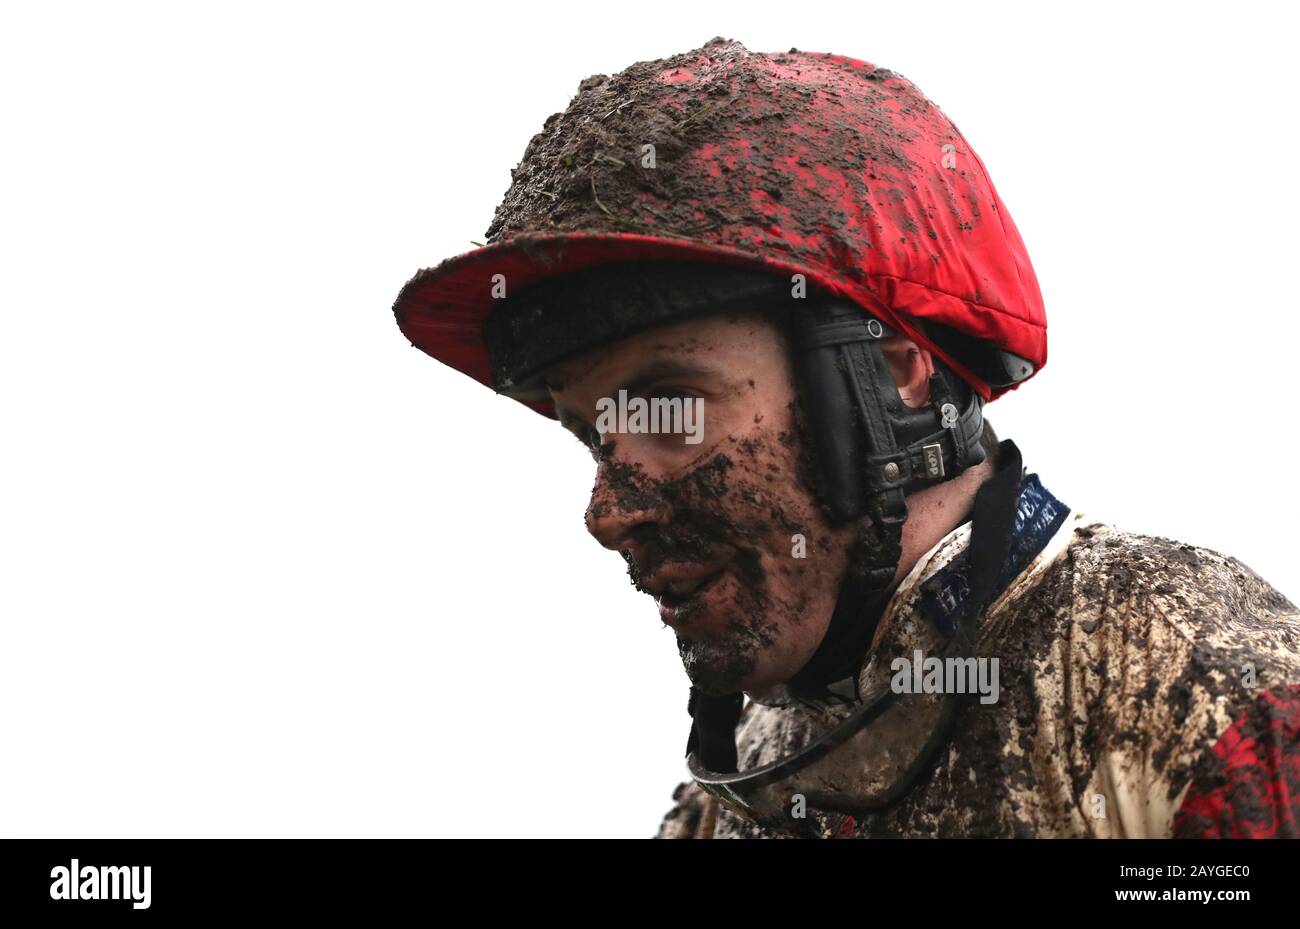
(722, 510)
(1131, 710)
(817, 175)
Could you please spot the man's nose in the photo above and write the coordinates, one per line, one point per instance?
(617, 510)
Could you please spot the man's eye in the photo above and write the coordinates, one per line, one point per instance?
(674, 393)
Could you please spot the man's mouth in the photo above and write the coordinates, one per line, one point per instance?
(678, 586)
(682, 590)
(680, 594)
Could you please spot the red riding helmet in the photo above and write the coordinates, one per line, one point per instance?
(788, 163)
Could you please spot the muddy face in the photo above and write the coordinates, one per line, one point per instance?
(712, 530)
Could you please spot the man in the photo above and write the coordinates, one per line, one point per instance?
(771, 294)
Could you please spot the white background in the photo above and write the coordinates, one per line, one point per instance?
(268, 570)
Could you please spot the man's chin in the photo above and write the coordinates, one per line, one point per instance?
(719, 668)
(725, 650)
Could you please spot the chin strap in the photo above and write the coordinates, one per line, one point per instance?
(714, 718)
(848, 636)
(871, 451)
(839, 656)
(713, 728)
(894, 450)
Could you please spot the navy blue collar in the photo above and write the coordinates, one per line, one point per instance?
(1038, 516)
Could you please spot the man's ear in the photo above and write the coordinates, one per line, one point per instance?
(912, 368)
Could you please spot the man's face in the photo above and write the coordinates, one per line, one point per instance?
(726, 534)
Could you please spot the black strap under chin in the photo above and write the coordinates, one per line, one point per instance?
(839, 655)
(713, 728)
(714, 718)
